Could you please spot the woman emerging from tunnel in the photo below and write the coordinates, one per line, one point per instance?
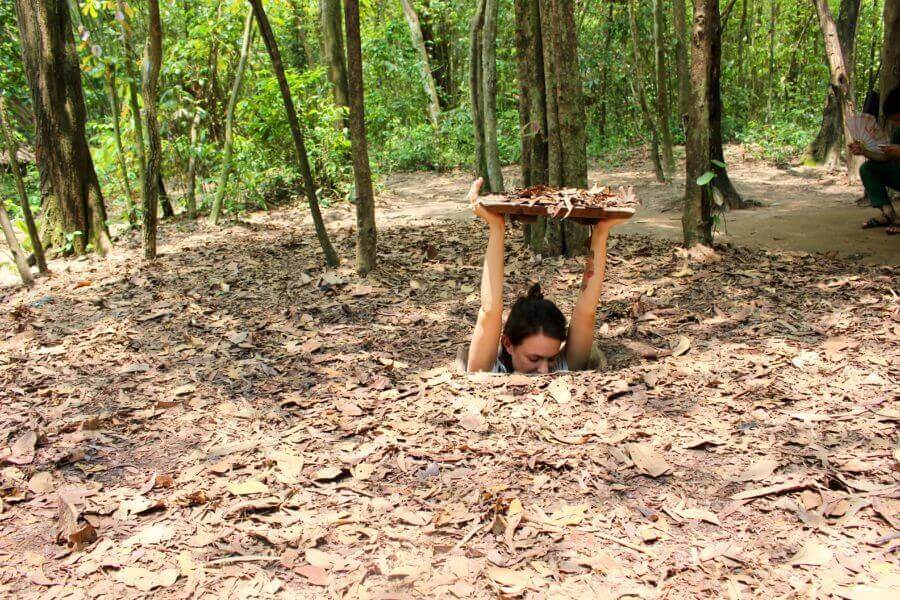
(534, 338)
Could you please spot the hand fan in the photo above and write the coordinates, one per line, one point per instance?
(865, 130)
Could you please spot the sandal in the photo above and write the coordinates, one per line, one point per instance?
(874, 222)
(893, 230)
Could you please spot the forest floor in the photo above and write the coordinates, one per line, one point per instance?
(230, 421)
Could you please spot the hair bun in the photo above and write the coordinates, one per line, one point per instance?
(535, 293)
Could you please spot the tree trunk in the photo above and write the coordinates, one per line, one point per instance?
(476, 89)
(638, 83)
(567, 141)
(489, 95)
(773, 21)
(331, 258)
(13, 151)
(305, 57)
(890, 51)
(531, 72)
(71, 195)
(681, 59)
(415, 33)
(130, 59)
(742, 34)
(362, 174)
(554, 140)
(697, 218)
(149, 85)
(523, 65)
(246, 42)
(333, 51)
(13, 242)
(840, 77)
(722, 181)
(120, 153)
(827, 147)
(662, 101)
(193, 162)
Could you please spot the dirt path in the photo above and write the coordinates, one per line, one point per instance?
(804, 209)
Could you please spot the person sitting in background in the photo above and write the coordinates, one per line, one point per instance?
(880, 173)
(532, 339)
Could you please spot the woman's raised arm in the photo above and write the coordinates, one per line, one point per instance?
(486, 337)
(584, 316)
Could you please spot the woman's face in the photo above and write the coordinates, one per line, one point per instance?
(536, 354)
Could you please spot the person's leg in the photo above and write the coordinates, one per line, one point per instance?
(877, 177)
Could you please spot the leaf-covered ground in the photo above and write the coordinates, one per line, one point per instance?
(229, 421)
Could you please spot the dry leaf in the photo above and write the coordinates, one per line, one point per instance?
(245, 488)
(682, 346)
(314, 575)
(42, 482)
(559, 390)
(473, 422)
(647, 460)
(23, 449)
(153, 534)
(290, 465)
(760, 470)
(327, 473)
(701, 514)
(324, 560)
(509, 577)
(362, 471)
(812, 554)
(144, 579)
(413, 517)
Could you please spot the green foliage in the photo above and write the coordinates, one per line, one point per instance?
(772, 105)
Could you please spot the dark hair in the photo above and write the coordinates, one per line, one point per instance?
(891, 105)
(532, 314)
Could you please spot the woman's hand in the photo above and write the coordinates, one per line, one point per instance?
(855, 149)
(492, 219)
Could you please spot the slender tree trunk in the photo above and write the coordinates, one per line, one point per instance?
(604, 72)
(840, 77)
(246, 42)
(722, 182)
(772, 24)
(554, 139)
(362, 174)
(523, 48)
(134, 105)
(13, 242)
(638, 84)
(149, 84)
(70, 190)
(697, 218)
(415, 32)
(193, 163)
(13, 151)
(489, 95)
(662, 101)
(476, 89)
(333, 50)
(681, 59)
(537, 97)
(890, 50)
(827, 147)
(120, 153)
(742, 34)
(265, 30)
